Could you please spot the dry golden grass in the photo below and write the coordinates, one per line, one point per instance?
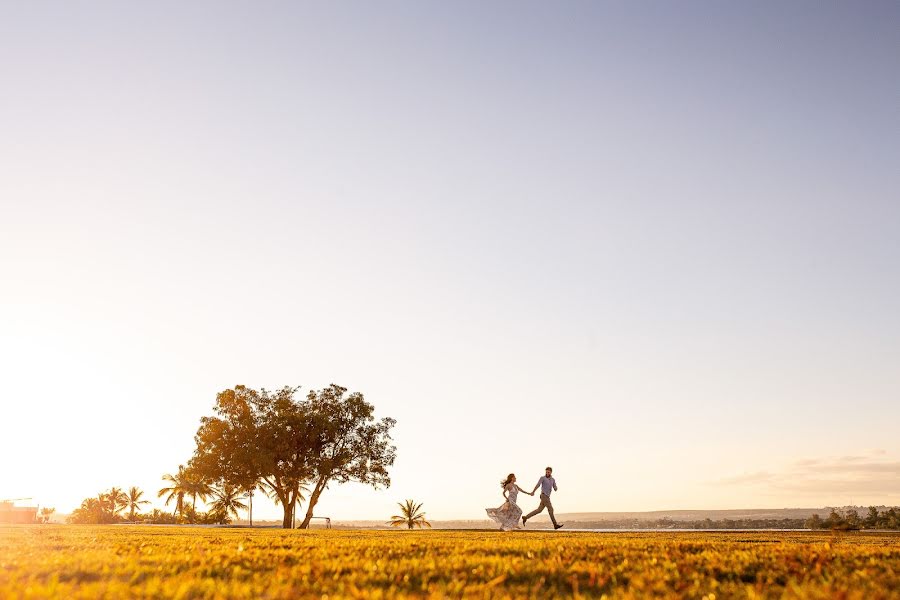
(171, 562)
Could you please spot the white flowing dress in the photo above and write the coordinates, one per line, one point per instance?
(508, 513)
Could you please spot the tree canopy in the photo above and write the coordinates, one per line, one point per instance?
(285, 443)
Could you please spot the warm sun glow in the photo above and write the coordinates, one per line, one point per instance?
(660, 257)
(450, 300)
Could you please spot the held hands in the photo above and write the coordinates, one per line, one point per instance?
(531, 493)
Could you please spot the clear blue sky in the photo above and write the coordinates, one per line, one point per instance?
(654, 244)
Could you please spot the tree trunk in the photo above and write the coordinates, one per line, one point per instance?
(285, 499)
(320, 486)
(251, 509)
(293, 496)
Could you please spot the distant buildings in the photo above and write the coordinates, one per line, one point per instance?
(9, 513)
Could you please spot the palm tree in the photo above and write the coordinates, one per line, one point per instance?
(227, 500)
(92, 509)
(104, 507)
(410, 516)
(197, 487)
(135, 499)
(116, 500)
(177, 489)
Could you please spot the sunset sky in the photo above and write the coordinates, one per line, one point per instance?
(655, 245)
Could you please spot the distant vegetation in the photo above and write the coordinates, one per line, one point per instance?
(851, 519)
(669, 523)
(841, 519)
(290, 450)
(111, 506)
(45, 514)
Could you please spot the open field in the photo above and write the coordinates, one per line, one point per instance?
(173, 562)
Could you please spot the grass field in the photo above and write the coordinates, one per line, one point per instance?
(170, 562)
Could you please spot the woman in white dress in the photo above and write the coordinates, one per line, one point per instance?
(508, 513)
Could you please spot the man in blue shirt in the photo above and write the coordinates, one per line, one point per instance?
(547, 485)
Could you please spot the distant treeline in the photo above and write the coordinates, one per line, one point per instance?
(667, 523)
(851, 519)
(840, 519)
(110, 506)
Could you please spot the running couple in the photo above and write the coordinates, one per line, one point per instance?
(508, 513)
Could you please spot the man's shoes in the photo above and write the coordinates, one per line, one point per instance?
(557, 526)
(523, 521)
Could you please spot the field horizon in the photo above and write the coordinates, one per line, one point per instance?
(576, 517)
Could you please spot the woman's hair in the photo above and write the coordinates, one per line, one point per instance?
(506, 481)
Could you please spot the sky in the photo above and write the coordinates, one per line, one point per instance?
(654, 245)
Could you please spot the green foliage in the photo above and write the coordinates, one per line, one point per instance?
(177, 489)
(90, 512)
(135, 499)
(285, 443)
(347, 444)
(103, 508)
(256, 436)
(410, 515)
(850, 519)
(197, 485)
(158, 517)
(45, 514)
(215, 516)
(227, 501)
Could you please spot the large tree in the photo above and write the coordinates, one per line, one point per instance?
(283, 442)
(256, 436)
(349, 444)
